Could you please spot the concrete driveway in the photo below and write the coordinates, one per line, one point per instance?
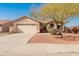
(16, 45)
(3, 34)
(10, 41)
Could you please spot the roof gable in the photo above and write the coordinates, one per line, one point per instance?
(25, 20)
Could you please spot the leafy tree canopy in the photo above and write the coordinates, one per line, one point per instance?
(58, 11)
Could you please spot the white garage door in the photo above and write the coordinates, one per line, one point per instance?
(27, 28)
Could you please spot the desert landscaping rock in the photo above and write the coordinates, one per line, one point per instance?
(45, 38)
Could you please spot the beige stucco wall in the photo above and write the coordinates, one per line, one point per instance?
(27, 26)
(11, 29)
(0, 28)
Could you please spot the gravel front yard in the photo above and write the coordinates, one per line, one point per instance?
(47, 38)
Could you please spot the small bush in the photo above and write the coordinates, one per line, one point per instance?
(52, 31)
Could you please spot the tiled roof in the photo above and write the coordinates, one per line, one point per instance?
(4, 21)
(46, 20)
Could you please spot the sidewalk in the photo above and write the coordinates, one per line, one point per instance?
(44, 50)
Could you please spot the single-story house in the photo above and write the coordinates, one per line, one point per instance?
(29, 25)
(25, 24)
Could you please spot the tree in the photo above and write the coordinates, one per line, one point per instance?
(59, 11)
(33, 11)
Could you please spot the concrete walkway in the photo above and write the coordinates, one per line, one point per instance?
(16, 45)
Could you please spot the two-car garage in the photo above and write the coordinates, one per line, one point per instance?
(27, 28)
(27, 25)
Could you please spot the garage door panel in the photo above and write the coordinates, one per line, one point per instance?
(28, 28)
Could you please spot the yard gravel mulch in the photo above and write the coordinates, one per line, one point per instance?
(47, 38)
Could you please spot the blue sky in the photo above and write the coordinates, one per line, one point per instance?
(14, 11)
(74, 21)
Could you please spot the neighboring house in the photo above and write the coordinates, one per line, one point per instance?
(4, 25)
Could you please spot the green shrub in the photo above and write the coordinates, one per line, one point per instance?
(52, 31)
